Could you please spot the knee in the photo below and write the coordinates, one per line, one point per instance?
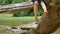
(36, 3)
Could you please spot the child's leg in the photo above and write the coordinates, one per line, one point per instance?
(43, 6)
(45, 11)
(35, 11)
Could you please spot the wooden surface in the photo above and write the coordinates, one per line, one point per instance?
(14, 7)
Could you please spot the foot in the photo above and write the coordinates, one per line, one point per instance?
(45, 13)
(37, 21)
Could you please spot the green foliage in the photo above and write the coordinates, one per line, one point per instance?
(40, 12)
(16, 14)
(5, 2)
(0, 2)
(18, 1)
(27, 13)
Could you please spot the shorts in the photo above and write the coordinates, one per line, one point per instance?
(37, 0)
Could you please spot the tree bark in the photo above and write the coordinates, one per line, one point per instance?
(51, 21)
(15, 7)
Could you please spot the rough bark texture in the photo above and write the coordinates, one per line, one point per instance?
(16, 7)
(51, 21)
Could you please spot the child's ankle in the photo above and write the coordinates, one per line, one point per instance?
(46, 12)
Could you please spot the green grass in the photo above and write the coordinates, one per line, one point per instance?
(7, 19)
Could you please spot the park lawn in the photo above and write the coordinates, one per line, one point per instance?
(7, 19)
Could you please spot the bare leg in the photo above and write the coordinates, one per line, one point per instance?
(45, 11)
(43, 6)
(35, 11)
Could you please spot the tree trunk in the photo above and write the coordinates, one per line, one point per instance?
(51, 21)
